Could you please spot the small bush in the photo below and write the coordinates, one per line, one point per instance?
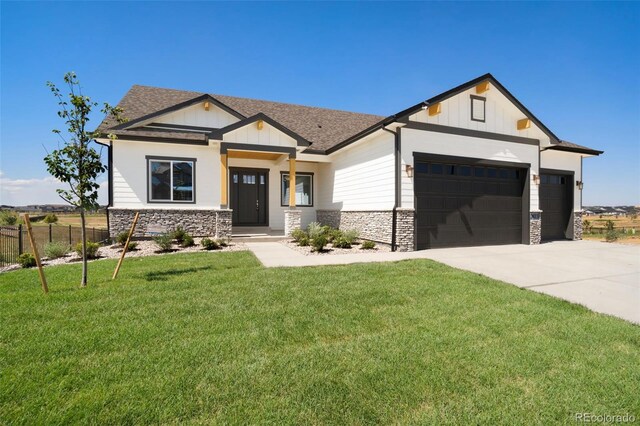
(346, 239)
(209, 244)
(178, 234)
(318, 238)
(132, 246)
(92, 249)
(8, 217)
(611, 235)
(298, 234)
(26, 260)
(163, 242)
(368, 245)
(56, 249)
(121, 238)
(187, 241)
(222, 242)
(50, 218)
(304, 241)
(334, 234)
(610, 225)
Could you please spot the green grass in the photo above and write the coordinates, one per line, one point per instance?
(216, 338)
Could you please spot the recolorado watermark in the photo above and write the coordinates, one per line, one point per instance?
(604, 418)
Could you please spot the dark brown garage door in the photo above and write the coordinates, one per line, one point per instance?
(467, 204)
(555, 203)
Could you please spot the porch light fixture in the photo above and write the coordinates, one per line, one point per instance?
(580, 185)
(409, 169)
(536, 179)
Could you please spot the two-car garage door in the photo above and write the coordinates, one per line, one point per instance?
(466, 202)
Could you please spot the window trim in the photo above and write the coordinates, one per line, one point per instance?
(484, 107)
(282, 173)
(151, 158)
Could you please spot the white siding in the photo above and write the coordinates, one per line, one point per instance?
(559, 160)
(464, 146)
(196, 115)
(276, 211)
(501, 115)
(361, 176)
(269, 135)
(130, 173)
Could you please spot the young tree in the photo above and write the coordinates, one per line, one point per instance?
(77, 163)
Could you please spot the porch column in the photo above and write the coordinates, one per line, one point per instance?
(292, 182)
(224, 200)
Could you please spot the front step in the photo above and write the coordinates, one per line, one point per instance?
(256, 234)
(258, 238)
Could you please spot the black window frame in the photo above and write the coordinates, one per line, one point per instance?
(282, 174)
(158, 158)
(484, 108)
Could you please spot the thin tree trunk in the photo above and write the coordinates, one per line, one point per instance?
(83, 283)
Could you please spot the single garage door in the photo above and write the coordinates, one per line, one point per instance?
(556, 199)
(468, 204)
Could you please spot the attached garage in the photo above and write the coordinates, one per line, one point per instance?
(556, 201)
(470, 202)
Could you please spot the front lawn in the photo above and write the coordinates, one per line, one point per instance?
(216, 338)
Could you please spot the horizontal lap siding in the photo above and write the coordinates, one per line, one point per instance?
(361, 177)
(130, 173)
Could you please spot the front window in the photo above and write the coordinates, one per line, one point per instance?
(304, 189)
(171, 180)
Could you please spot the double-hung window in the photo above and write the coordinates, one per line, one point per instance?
(304, 189)
(171, 180)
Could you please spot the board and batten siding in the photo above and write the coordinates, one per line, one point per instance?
(196, 115)
(276, 211)
(570, 161)
(360, 176)
(130, 174)
(501, 115)
(420, 141)
(268, 136)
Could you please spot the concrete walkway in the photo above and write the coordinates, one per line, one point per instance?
(603, 277)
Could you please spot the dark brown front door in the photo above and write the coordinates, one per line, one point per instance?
(249, 195)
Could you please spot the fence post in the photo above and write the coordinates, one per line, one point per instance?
(20, 248)
(94, 234)
(69, 235)
(50, 234)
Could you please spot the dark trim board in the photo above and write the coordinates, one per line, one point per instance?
(313, 187)
(438, 128)
(165, 126)
(484, 108)
(226, 146)
(148, 183)
(587, 151)
(526, 190)
(140, 138)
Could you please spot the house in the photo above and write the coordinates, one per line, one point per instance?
(470, 166)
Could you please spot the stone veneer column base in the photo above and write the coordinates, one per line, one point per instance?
(535, 227)
(577, 225)
(405, 229)
(292, 220)
(199, 223)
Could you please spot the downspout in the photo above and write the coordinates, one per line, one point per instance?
(396, 203)
(110, 182)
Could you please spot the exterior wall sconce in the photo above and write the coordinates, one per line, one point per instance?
(536, 179)
(580, 185)
(409, 169)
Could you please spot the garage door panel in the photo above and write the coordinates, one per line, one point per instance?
(475, 206)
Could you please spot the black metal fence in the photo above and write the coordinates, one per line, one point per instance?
(14, 239)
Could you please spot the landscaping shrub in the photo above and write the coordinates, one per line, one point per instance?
(56, 249)
(26, 260)
(304, 241)
(178, 234)
(610, 225)
(8, 217)
(368, 245)
(222, 242)
(334, 234)
(298, 234)
(50, 218)
(163, 242)
(611, 235)
(345, 239)
(121, 238)
(209, 244)
(317, 236)
(92, 249)
(132, 246)
(187, 241)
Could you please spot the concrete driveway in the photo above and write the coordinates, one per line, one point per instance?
(603, 277)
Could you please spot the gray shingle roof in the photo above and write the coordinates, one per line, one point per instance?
(323, 127)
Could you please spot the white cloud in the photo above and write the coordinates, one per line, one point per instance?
(20, 192)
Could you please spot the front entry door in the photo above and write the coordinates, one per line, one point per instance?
(249, 195)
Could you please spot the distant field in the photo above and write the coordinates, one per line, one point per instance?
(94, 220)
(626, 223)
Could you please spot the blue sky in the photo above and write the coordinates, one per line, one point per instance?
(575, 65)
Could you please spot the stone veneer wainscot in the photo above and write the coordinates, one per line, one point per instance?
(199, 223)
